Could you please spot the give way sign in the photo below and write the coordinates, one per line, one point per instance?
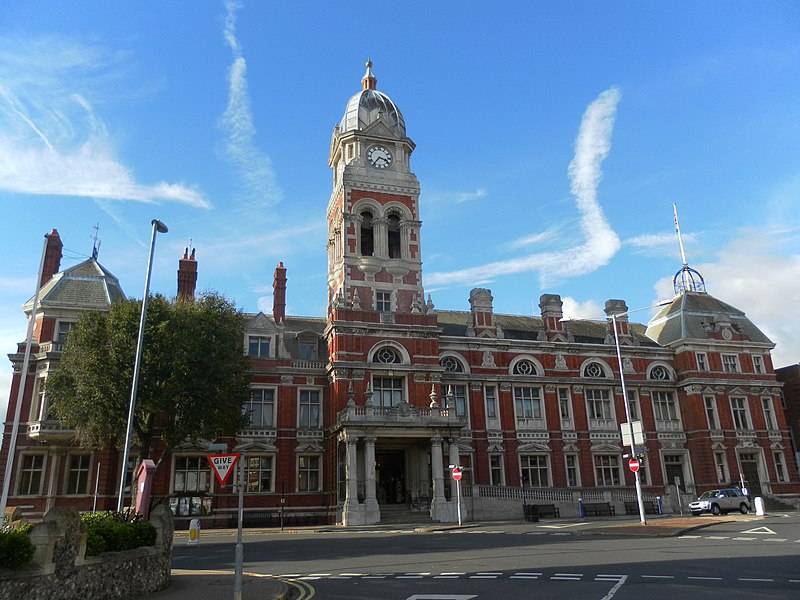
(222, 465)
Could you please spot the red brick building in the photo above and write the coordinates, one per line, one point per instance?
(356, 415)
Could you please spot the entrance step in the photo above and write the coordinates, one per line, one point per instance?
(402, 515)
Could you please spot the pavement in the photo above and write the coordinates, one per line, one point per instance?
(218, 585)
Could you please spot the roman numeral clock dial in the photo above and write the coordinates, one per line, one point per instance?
(379, 157)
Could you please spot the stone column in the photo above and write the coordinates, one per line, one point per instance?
(373, 513)
(439, 510)
(52, 486)
(351, 509)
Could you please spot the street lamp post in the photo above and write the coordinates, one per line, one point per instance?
(158, 227)
(639, 499)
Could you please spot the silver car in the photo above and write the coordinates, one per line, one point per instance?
(720, 502)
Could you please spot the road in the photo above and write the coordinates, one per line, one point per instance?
(747, 557)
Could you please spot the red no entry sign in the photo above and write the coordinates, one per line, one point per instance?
(457, 474)
(633, 465)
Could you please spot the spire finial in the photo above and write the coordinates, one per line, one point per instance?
(687, 279)
(369, 82)
(96, 241)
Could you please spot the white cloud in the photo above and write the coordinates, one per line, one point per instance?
(573, 309)
(52, 142)
(533, 239)
(592, 146)
(433, 197)
(257, 180)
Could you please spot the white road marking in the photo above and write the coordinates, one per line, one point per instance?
(743, 539)
(762, 530)
(689, 537)
(716, 537)
(659, 576)
(753, 579)
(614, 589)
(706, 578)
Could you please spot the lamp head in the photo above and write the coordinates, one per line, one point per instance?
(160, 227)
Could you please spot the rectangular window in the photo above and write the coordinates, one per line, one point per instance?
(261, 408)
(78, 474)
(495, 469)
(702, 361)
(606, 470)
(258, 477)
(258, 346)
(308, 473)
(573, 475)
(490, 396)
(39, 404)
(565, 408)
(711, 412)
(780, 466)
(758, 364)
(30, 476)
(721, 466)
(740, 416)
(666, 411)
(310, 405)
(769, 414)
(633, 405)
(534, 470)
(387, 391)
(61, 335)
(383, 301)
(192, 474)
(600, 410)
(528, 406)
(459, 398)
(730, 363)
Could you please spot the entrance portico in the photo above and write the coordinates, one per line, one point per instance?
(395, 456)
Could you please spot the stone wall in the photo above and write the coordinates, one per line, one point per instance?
(61, 571)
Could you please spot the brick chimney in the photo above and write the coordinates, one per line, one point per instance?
(552, 311)
(187, 275)
(52, 257)
(620, 310)
(279, 294)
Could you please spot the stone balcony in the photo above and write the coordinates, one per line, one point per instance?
(404, 414)
(49, 430)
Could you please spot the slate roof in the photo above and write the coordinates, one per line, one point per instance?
(87, 285)
(520, 327)
(690, 314)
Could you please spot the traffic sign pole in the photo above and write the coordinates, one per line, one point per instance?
(239, 552)
(457, 476)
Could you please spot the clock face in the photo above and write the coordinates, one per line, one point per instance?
(379, 157)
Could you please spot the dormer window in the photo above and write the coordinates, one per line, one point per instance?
(367, 235)
(258, 346)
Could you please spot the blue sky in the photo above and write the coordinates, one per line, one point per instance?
(552, 139)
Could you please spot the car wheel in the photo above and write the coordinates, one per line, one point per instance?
(715, 509)
(743, 508)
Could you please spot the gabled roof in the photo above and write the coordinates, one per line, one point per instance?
(691, 315)
(87, 285)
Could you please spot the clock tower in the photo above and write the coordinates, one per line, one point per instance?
(374, 261)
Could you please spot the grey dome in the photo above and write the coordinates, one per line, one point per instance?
(370, 105)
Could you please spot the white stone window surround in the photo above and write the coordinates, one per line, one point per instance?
(496, 470)
(453, 363)
(565, 408)
(712, 413)
(372, 355)
(702, 361)
(525, 365)
(596, 368)
(660, 371)
(492, 408)
(600, 409)
(255, 466)
(258, 345)
(534, 468)
(740, 412)
(261, 408)
(380, 226)
(758, 364)
(460, 398)
(730, 363)
(768, 408)
(666, 410)
(573, 469)
(31, 471)
(529, 409)
(607, 470)
(77, 473)
(190, 472)
(309, 473)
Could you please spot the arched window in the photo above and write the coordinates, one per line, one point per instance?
(394, 236)
(594, 370)
(367, 235)
(659, 373)
(387, 355)
(524, 367)
(451, 365)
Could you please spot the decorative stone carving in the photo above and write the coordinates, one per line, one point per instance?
(488, 359)
(561, 363)
(287, 380)
(627, 365)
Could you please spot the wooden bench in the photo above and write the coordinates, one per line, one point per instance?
(548, 510)
(598, 509)
(650, 507)
(532, 512)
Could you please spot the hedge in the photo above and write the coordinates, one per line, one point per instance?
(110, 532)
(16, 548)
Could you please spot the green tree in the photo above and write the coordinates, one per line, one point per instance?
(193, 381)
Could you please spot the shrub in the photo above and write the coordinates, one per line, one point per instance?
(16, 548)
(110, 531)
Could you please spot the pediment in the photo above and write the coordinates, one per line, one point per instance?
(254, 447)
(605, 447)
(260, 322)
(308, 448)
(379, 128)
(533, 447)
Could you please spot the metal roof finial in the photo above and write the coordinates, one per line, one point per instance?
(687, 279)
(369, 82)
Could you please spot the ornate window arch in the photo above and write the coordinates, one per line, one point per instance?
(452, 364)
(389, 353)
(595, 369)
(526, 366)
(660, 372)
